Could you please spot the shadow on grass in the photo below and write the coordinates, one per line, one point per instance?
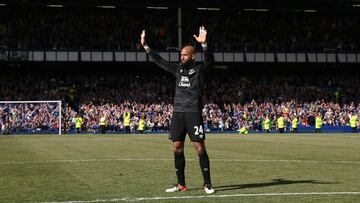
(268, 184)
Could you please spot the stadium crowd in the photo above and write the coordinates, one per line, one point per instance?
(29, 118)
(232, 100)
(118, 29)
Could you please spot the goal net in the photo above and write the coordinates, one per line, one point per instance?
(30, 117)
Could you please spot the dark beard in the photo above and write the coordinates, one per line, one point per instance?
(187, 64)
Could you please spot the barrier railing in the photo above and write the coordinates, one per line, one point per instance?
(173, 56)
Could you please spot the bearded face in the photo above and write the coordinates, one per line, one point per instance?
(187, 55)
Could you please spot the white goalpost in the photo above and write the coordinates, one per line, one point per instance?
(58, 108)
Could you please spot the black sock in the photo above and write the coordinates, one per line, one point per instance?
(205, 167)
(180, 167)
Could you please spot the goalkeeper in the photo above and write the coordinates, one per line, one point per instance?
(187, 117)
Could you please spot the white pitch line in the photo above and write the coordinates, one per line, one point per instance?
(79, 160)
(213, 160)
(138, 199)
(289, 161)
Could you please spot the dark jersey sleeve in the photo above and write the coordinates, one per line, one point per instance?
(162, 63)
(208, 58)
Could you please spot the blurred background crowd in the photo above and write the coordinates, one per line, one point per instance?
(231, 99)
(99, 29)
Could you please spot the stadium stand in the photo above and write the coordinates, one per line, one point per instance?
(232, 98)
(97, 29)
(240, 95)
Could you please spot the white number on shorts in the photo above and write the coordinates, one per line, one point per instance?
(199, 130)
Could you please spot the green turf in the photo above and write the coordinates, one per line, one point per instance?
(88, 167)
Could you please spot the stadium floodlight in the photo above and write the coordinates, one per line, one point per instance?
(249, 9)
(256, 9)
(356, 5)
(47, 112)
(158, 7)
(209, 9)
(55, 5)
(262, 9)
(310, 11)
(106, 6)
(2, 4)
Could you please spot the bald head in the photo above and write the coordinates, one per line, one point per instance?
(187, 54)
(189, 49)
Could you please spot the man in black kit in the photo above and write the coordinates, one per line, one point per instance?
(187, 117)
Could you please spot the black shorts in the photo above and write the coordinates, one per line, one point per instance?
(190, 123)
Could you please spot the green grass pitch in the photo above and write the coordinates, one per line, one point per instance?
(138, 168)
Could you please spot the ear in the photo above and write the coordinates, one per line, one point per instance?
(193, 56)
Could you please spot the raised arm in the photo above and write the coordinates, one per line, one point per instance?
(161, 62)
(201, 38)
(143, 42)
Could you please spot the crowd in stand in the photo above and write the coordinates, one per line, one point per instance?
(118, 29)
(29, 117)
(254, 31)
(66, 29)
(36, 118)
(231, 100)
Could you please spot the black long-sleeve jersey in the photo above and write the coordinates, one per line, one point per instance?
(189, 81)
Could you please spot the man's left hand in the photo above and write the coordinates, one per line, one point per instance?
(202, 35)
